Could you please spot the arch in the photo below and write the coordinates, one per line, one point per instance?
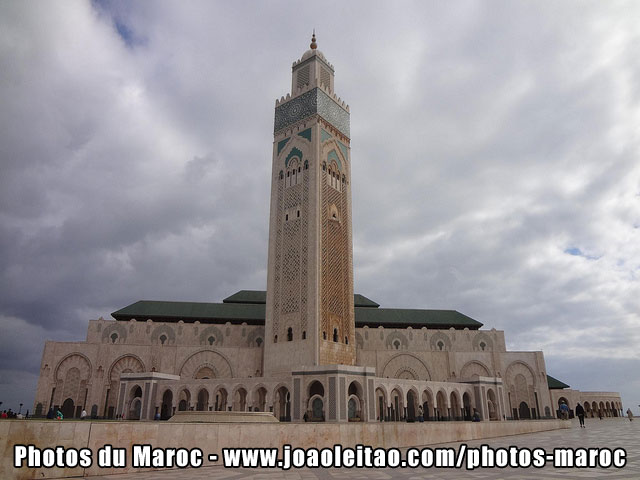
(474, 367)
(282, 403)
(441, 406)
(428, 405)
(466, 406)
(397, 404)
(184, 399)
(355, 402)
(316, 387)
(524, 413)
(239, 399)
(116, 328)
(220, 396)
(260, 398)
(316, 407)
(439, 338)
(455, 410)
(381, 404)
(215, 361)
(77, 360)
(211, 332)
(394, 339)
(166, 410)
(68, 408)
(482, 342)
(203, 400)
(165, 330)
(127, 363)
(492, 404)
(406, 365)
(256, 337)
(134, 403)
(412, 404)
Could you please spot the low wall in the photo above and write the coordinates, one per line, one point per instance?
(211, 438)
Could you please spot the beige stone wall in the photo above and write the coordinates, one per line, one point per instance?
(211, 438)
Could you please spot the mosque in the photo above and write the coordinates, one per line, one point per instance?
(307, 348)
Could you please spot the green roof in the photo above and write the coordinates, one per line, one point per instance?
(260, 296)
(191, 311)
(249, 306)
(554, 383)
(403, 317)
(247, 296)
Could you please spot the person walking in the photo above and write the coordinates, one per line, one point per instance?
(564, 410)
(630, 414)
(580, 414)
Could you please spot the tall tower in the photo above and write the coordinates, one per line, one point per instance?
(309, 313)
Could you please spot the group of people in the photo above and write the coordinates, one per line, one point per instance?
(10, 414)
(564, 411)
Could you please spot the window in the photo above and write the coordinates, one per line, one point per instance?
(281, 175)
(324, 335)
(335, 335)
(346, 340)
(211, 340)
(114, 337)
(286, 217)
(275, 339)
(289, 334)
(396, 344)
(163, 338)
(440, 345)
(306, 164)
(304, 334)
(483, 346)
(298, 213)
(258, 341)
(324, 167)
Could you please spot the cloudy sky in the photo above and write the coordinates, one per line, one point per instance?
(495, 149)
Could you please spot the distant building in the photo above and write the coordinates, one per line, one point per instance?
(307, 345)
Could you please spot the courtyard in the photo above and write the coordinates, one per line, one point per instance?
(609, 433)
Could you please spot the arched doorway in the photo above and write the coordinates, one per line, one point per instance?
(466, 402)
(67, 408)
(221, 400)
(282, 404)
(381, 405)
(456, 410)
(355, 402)
(135, 403)
(441, 409)
(240, 400)
(315, 403)
(397, 405)
(166, 411)
(492, 405)
(185, 400)
(411, 406)
(524, 413)
(203, 400)
(260, 399)
(427, 405)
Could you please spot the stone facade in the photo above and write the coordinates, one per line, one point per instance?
(305, 350)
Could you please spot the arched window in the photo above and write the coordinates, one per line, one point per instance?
(324, 166)
(275, 339)
(114, 337)
(483, 346)
(306, 164)
(440, 345)
(289, 334)
(346, 340)
(258, 341)
(396, 344)
(163, 338)
(211, 340)
(335, 334)
(304, 334)
(281, 175)
(324, 335)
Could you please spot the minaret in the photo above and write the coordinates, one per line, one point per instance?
(309, 313)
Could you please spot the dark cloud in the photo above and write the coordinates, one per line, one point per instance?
(494, 164)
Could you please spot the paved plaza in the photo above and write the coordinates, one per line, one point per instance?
(611, 433)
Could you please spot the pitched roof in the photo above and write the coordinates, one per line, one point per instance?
(404, 317)
(238, 309)
(554, 383)
(260, 296)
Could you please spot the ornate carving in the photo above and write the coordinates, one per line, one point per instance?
(405, 363)
(216, 362)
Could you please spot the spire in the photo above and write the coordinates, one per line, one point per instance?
(313, 45)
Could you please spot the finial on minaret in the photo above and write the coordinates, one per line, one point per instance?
(313, 45)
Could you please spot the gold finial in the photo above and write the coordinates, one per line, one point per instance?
(314, 45)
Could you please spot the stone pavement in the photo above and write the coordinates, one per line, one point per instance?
(610, 433)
